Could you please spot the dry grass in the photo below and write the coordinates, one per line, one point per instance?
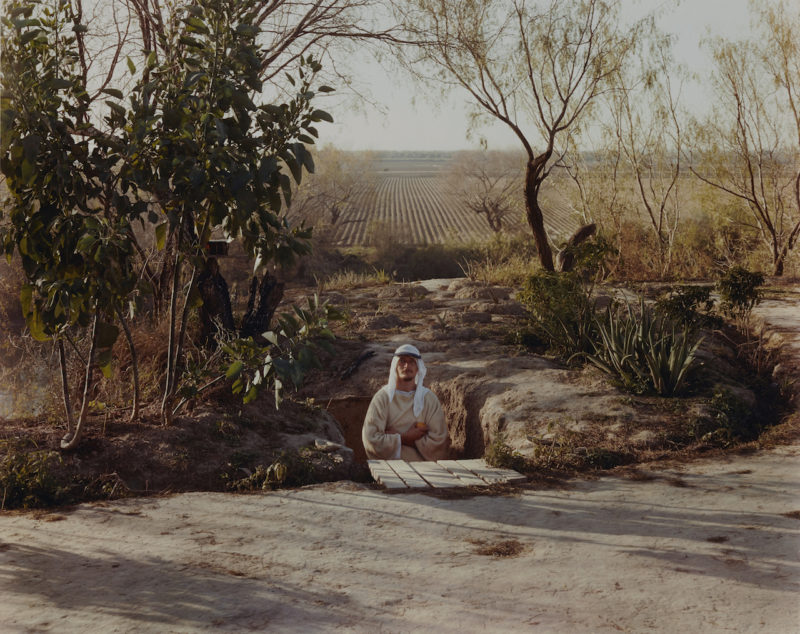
(503, 548)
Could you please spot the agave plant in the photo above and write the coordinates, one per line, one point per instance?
(616, 350)
(644, 349)
(669, 357)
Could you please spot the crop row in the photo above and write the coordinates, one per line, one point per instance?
(419, 210)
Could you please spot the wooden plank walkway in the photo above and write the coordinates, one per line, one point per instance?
(444, 474)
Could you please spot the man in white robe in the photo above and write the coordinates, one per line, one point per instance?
(405, 420)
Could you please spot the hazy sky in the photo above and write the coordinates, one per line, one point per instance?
(413, 122)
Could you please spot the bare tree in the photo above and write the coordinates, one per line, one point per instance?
(749, 147)
(646, 128)
(328, 194)
(488, 183)
(538, 67)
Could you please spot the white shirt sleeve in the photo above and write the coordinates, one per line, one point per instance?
(398, 451)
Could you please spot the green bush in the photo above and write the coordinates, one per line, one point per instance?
(562, 311)
(691, 305)
(290, 468)
(740, 292)
(27, 479)
(730, 420)
(500, 454)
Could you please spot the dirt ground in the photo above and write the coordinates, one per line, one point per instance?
(711, 547)
(702, 546)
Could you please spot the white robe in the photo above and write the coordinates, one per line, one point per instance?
(397, 415)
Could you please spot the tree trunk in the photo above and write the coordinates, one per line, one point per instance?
(258, 318)
(566, 257)
(216, 309)
(134, 365)
(70, 442)
(62, 360)
(166, 403)
(533, 212)
(777, 270)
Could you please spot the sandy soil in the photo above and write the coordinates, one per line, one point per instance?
(707, 548)
(710, 546)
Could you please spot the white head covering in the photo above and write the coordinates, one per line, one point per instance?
(419, 394)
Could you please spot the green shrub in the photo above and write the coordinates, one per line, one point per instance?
(691, 305)
(730, 420)
(603, 458)
(27, 479)
(290, 468)
(562, 311)
(740, 292)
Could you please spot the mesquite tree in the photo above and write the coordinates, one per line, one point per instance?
(749, 148)
(538, 67)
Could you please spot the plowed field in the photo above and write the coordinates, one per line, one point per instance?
(418, 209)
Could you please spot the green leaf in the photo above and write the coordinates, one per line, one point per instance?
(16, 11)
(294, 168)
(80, 28)
(161, 235)
(113, 92)
(321, 115)
(29, 35)
(21, 24)
(104, 361)
(86, 242)
(106, 334)
(234, 370)
(250, 394)
(196, 25)
(25, 298)
(152, 58)
(131, 66)
(116, 108)
(36, 325)
(325, 89)
(59, 83)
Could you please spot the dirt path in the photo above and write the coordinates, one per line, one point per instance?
(706, 547)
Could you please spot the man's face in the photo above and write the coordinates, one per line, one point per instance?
(406, 368)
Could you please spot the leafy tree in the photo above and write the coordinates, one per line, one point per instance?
(70, 237)
(538, 67)
(749, 147)
(213, 158)
(192, 152)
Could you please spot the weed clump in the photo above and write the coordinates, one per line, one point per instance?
(27, 478)
(499, 454)
(730, 419)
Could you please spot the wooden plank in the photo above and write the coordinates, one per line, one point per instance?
(411, 477)
(385, 475)
(463, 474)
(437, 476)
(491, 474)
